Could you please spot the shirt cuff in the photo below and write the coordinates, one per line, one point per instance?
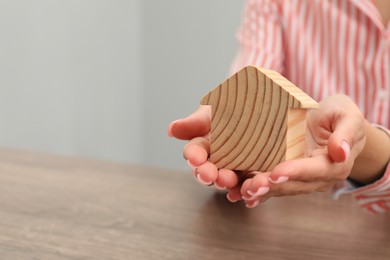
(375, 196)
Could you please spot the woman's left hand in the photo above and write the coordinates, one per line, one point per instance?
(335, 136)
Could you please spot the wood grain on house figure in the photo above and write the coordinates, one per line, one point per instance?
(252, 115)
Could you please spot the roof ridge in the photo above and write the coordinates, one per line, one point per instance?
(304, 100)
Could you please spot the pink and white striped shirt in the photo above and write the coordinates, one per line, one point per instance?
(326, 47)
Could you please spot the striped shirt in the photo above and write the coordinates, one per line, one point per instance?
(326, 47)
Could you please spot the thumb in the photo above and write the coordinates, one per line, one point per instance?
(346, 131)
(339, 151)
(195, 125)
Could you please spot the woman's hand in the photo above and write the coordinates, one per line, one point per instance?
(336, 135)
(196, 129)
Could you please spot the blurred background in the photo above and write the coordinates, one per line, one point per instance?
(102, 79)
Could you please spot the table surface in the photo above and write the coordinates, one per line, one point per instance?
(55, 207)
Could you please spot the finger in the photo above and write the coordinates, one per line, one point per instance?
(257, 201)
(226, 179)
(234, 194)
(197, 151)
(317, 168)
(255, 187)
(252, 203)
(347, 131)
(291, 188)
(195, 125)
(259, 184)
(207, 173)
(244, 190)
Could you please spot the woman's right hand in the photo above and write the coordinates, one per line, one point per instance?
(196, 129)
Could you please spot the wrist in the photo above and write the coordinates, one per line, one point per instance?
(371, 163)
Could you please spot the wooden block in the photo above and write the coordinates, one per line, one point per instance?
(258, 120)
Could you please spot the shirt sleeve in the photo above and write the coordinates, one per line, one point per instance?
(260, 36)
(261, 44)
(374, 197)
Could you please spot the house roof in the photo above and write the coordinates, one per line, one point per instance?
(302, 100)
(297, 98)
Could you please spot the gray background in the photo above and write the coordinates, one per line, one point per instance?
(103, 78)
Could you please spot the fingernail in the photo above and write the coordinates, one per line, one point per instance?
(170, 134)
(230, 198)
(280, 179)
(219, 187)
(346, 149)
(246, 197)
(252, 205)
(192, 166)
(259, 192)
(207, 183)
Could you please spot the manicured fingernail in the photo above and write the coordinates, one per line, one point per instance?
(192, 166)
(207, 183)
(219, 187)
(280, 179)
(252, 205)
(246, 197)
(230, 198)
(346, 149)
(261, 191)
(170, 134)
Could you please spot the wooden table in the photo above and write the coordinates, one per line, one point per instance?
(54, 207)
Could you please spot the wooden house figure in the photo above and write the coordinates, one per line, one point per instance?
(258, 120)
